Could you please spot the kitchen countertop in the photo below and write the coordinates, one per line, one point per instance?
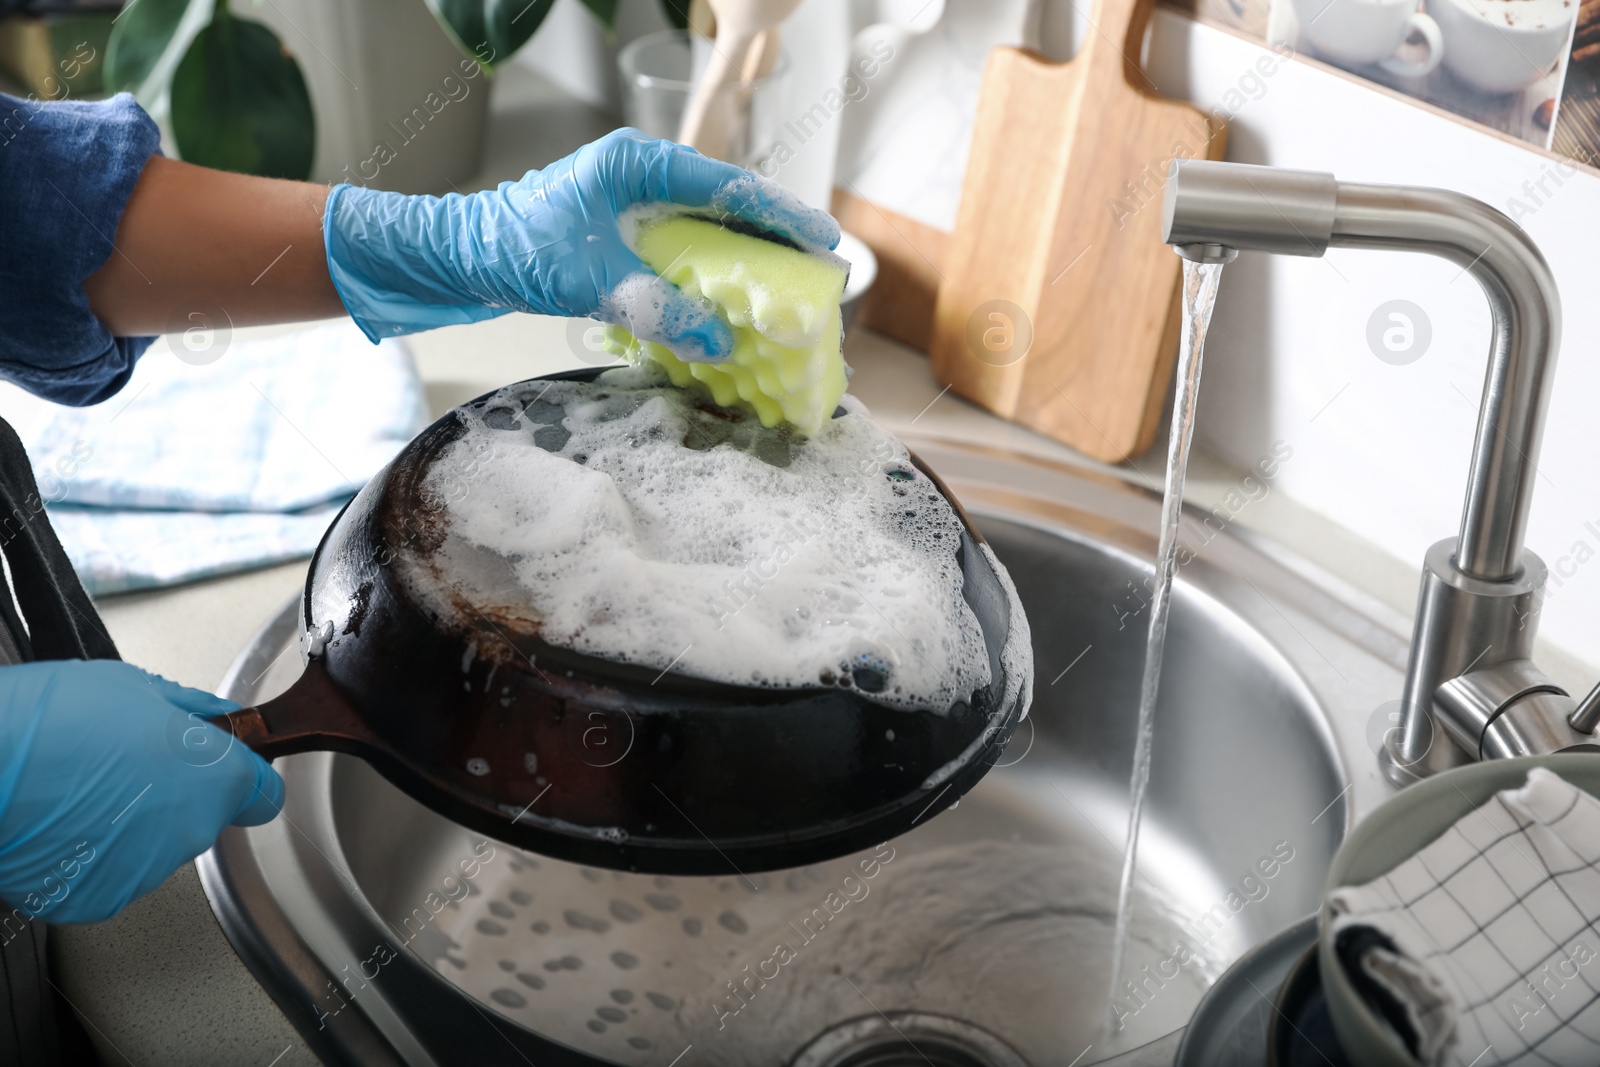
(160, 984)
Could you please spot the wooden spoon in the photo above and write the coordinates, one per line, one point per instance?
(739, 23)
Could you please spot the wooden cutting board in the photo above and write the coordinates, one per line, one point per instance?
(1057, 305)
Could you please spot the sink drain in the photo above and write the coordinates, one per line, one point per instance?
(907, 1039)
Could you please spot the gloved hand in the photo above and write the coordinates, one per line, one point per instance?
(549, 244)
(110, 778)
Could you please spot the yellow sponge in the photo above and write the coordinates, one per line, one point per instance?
(783, 305)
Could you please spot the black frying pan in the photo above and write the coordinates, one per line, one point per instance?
(596, 762)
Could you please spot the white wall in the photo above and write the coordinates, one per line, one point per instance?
(1388, 457)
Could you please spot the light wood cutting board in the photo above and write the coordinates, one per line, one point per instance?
(1059, 236)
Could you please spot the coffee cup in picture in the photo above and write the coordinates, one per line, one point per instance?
(1501, 46)
(1362, 32)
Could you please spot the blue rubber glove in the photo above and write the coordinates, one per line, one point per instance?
(549, 244)
(110, 779)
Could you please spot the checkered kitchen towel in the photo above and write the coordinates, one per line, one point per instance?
(1484, 947)
(197, 470)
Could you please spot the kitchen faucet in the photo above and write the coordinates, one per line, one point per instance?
(1470, 675)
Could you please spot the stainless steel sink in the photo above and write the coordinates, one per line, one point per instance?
(982, 937)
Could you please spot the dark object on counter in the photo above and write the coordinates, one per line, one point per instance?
(1301, 1032)
(583, 759)
(1267, 1010)
(58, 619)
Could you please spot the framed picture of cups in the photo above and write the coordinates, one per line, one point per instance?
(1529, 69)
(1577, 126)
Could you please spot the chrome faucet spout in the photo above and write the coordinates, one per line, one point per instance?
(1526, 311)
(1481, 591)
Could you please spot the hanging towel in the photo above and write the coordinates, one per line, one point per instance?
(194, 471)
(1484, 947)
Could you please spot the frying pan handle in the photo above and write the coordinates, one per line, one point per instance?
(311, 716)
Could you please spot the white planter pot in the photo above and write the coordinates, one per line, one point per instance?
(398, 105)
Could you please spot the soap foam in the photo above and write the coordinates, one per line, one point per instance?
(774, 207)
(655, 530)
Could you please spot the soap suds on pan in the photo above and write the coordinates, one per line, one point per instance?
(645, 527)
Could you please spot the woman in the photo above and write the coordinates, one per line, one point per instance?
(111, 778)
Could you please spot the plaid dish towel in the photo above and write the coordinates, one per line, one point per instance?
(195, 471)
(1484, 947)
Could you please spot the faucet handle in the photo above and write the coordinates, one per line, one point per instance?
(1586, 716)
(1513, 709)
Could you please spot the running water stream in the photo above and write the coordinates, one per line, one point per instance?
(1199, 297)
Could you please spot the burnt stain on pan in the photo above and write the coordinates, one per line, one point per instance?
(359, 605)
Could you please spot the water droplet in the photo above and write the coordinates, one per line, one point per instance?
(661, 1000)
(532, 981)
(509, 998)
(611, 1015)
(625, 912)
(479, 767)
(870, 673)
(597, 1026)
(624, 960)
(520, 898)
(579, 921)
(490, 927)
(638, 1042)
(692, 927)
(731, 921)
(502, 911)
(663, 901)
(507, 966)
(540, 928)
(622, 996)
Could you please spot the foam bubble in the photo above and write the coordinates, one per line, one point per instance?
(651, 308)
(773, 207)
(636, 522)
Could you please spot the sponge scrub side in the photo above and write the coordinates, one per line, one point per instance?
(783, 305)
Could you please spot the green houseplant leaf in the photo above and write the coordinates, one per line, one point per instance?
(239, 102)
(677, 12)
(138, 38)
(491, 30)
(605, 11)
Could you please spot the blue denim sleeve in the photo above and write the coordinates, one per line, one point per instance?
(66, 171)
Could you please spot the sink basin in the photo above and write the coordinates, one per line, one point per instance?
(982, 937)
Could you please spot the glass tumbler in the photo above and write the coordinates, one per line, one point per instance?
(658, 77)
